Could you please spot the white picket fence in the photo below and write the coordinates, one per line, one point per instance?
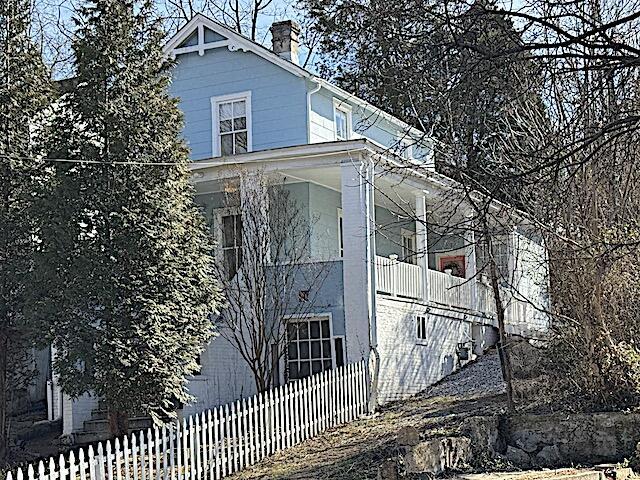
(223, 440)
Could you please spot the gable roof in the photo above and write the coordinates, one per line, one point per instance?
(234, 41)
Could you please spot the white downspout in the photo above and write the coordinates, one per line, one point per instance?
(369, 176)
(309, 93)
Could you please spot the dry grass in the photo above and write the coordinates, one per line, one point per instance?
(354, 451)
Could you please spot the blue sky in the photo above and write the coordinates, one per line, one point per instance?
(54, 28)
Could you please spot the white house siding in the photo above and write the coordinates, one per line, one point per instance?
(530, 279)
(76, 411)
(224, 377)
(409, 365)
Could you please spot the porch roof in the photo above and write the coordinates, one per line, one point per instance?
(391, 169)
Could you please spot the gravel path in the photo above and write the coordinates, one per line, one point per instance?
(481, 378)
(352, 452)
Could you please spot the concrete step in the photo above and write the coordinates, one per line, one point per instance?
(99, 414)
(102, 425)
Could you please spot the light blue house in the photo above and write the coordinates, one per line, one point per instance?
(404, 282)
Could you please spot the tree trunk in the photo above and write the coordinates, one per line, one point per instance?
(4, 430)
(503, 345)
(118, 423)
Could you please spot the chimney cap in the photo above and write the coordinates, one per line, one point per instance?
(295, 26)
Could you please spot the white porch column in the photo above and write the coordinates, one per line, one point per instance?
(471, 265)
(422, 243)
(358, 261)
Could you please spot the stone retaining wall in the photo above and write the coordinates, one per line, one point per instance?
(557, 439)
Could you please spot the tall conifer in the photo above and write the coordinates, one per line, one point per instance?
(23, 95)
(127, 260)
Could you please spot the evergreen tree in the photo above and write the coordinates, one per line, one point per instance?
(448, 68)
(126, 266)
(23, 95)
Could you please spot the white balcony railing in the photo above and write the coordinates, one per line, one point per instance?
(405, 280)
(451, 291)
(399, 279)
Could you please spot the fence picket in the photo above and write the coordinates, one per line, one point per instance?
(82, 465)
(179, 450)
(126, 453)
(246, 447)
(151, 451)
(100, 457)
(210, 457)
(92, 463)
(165, 452)
(217, 440)
(134, 456)
(172, 452)
(30, 472)
(286, 424)
(202, 452)
(238, 435)
(191, 440)
(227, 439)
(118, 456)
(251, 426)
(143, 461)
(41, 475)
(276, 420)
(196, 446)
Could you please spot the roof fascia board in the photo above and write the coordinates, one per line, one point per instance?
(279, 154)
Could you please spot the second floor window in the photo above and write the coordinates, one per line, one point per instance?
(342, 121)
(232, 116)
(232, 243)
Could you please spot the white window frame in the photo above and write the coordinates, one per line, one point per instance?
(310, 317)
(339, 106)
(233, 97)
(340, 233)
(218, 214)
(421, 325)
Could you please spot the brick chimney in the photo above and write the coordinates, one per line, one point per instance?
(285, 40)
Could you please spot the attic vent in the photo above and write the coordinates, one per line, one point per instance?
(285, 40)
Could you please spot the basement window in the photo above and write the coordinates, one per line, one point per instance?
(421, 327)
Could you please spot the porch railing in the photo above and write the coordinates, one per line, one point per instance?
(451, 291)
(399, 279)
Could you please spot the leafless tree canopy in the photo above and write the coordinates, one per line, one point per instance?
(271, 277)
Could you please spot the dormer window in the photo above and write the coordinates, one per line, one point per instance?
(232, 124)
(342, 120)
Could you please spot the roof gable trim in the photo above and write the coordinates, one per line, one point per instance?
(233, 41)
